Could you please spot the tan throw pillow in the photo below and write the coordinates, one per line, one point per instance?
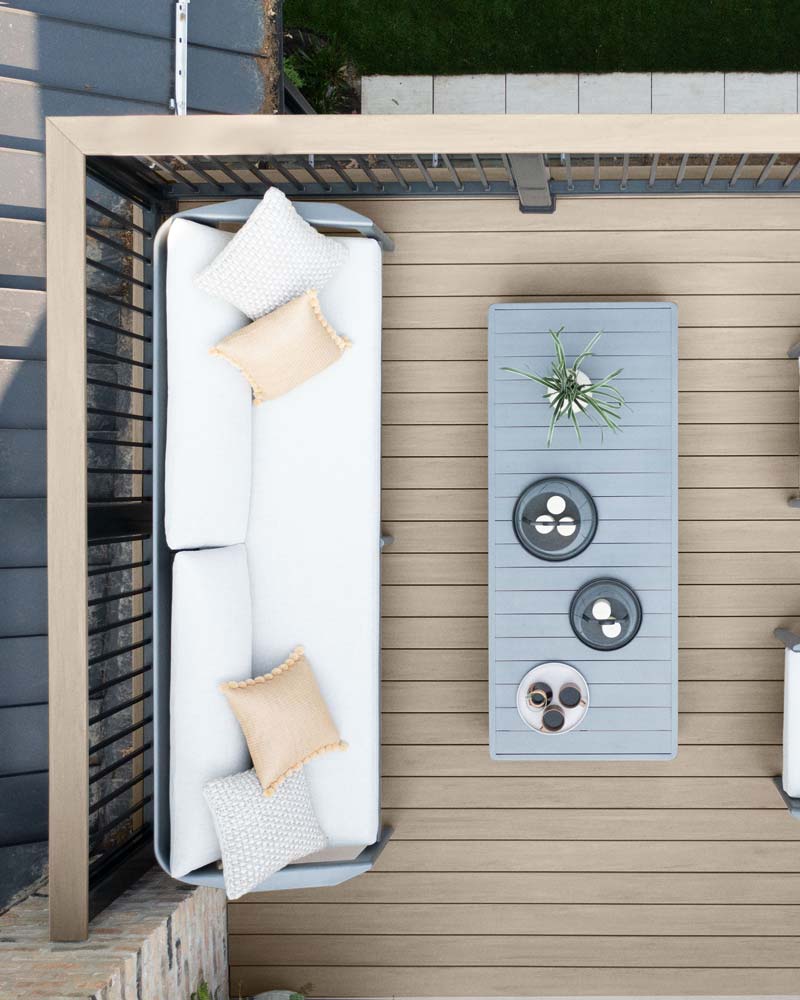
(284, 348)
(284, 719)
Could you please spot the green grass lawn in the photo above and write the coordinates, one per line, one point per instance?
(556, 36)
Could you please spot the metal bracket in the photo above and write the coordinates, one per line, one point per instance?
(789, 639)
(177, 104)
(793, 805)
(533, 183)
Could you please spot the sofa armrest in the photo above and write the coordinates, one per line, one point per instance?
(318, 214)
(332, 216)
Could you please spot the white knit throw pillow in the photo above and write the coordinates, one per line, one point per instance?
(259, 835)
(274, 257)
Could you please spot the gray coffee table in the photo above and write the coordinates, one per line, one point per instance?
(632, 479)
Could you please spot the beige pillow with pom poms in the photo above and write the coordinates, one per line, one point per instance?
(284, 348)
(284, 719)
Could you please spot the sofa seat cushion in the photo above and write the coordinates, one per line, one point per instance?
(209, 428)
(211, 630)
(313, 544)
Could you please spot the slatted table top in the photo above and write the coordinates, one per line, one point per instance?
(632, 478)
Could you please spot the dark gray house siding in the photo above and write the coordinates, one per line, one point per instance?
(69, 57)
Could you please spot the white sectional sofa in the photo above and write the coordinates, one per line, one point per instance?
(268, 536)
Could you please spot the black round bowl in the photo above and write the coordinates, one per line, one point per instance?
(560, 536)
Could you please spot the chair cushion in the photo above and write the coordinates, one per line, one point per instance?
(273, 258)
(209, 424)
(211, 643)
(284, 348)
(284, 720)
(258, 835)
(313, 543)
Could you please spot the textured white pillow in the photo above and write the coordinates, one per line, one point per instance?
(260, 835)
(274, 257)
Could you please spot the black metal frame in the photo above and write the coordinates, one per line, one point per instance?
(121, 222)
(418, 175)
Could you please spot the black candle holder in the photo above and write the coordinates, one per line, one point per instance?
(605, 614)
(555, 519)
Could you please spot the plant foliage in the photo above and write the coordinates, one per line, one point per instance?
(319, 68)
(568, 398)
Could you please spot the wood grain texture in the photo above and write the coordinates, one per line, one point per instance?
(67, 541)
(675, 877)
(526, 951)
(251, 134)
(371, 981)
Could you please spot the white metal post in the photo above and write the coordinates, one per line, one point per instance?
(178, 102)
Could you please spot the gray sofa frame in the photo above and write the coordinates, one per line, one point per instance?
(330, 217)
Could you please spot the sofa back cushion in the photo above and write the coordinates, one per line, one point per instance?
(209, 422)
(211, 643)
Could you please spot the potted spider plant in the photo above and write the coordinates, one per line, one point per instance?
(572, 394)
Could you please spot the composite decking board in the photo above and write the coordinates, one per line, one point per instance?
(63, 54)
(730, 309)
(27, 105)
(710, 343)
(478, 817)
(369, 981)
(593, 280)
(753, 246)
(606, 214)
(458, 950)
(694, 761)
(241, 30)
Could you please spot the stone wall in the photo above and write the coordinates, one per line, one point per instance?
(156, 942)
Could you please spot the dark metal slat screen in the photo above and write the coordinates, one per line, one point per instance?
(119, 232)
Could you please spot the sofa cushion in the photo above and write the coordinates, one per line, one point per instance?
(211, 643)
(284, 720)
(209, 427)
(283, 349)
(273, 258)
(313, 544)
(258, 835)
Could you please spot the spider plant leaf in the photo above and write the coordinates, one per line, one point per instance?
(576, 425)
(541, 379)
(605, 415)
(587, 351)
(551, 428)
(560, 356)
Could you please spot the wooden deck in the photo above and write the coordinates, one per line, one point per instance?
(573, 878)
